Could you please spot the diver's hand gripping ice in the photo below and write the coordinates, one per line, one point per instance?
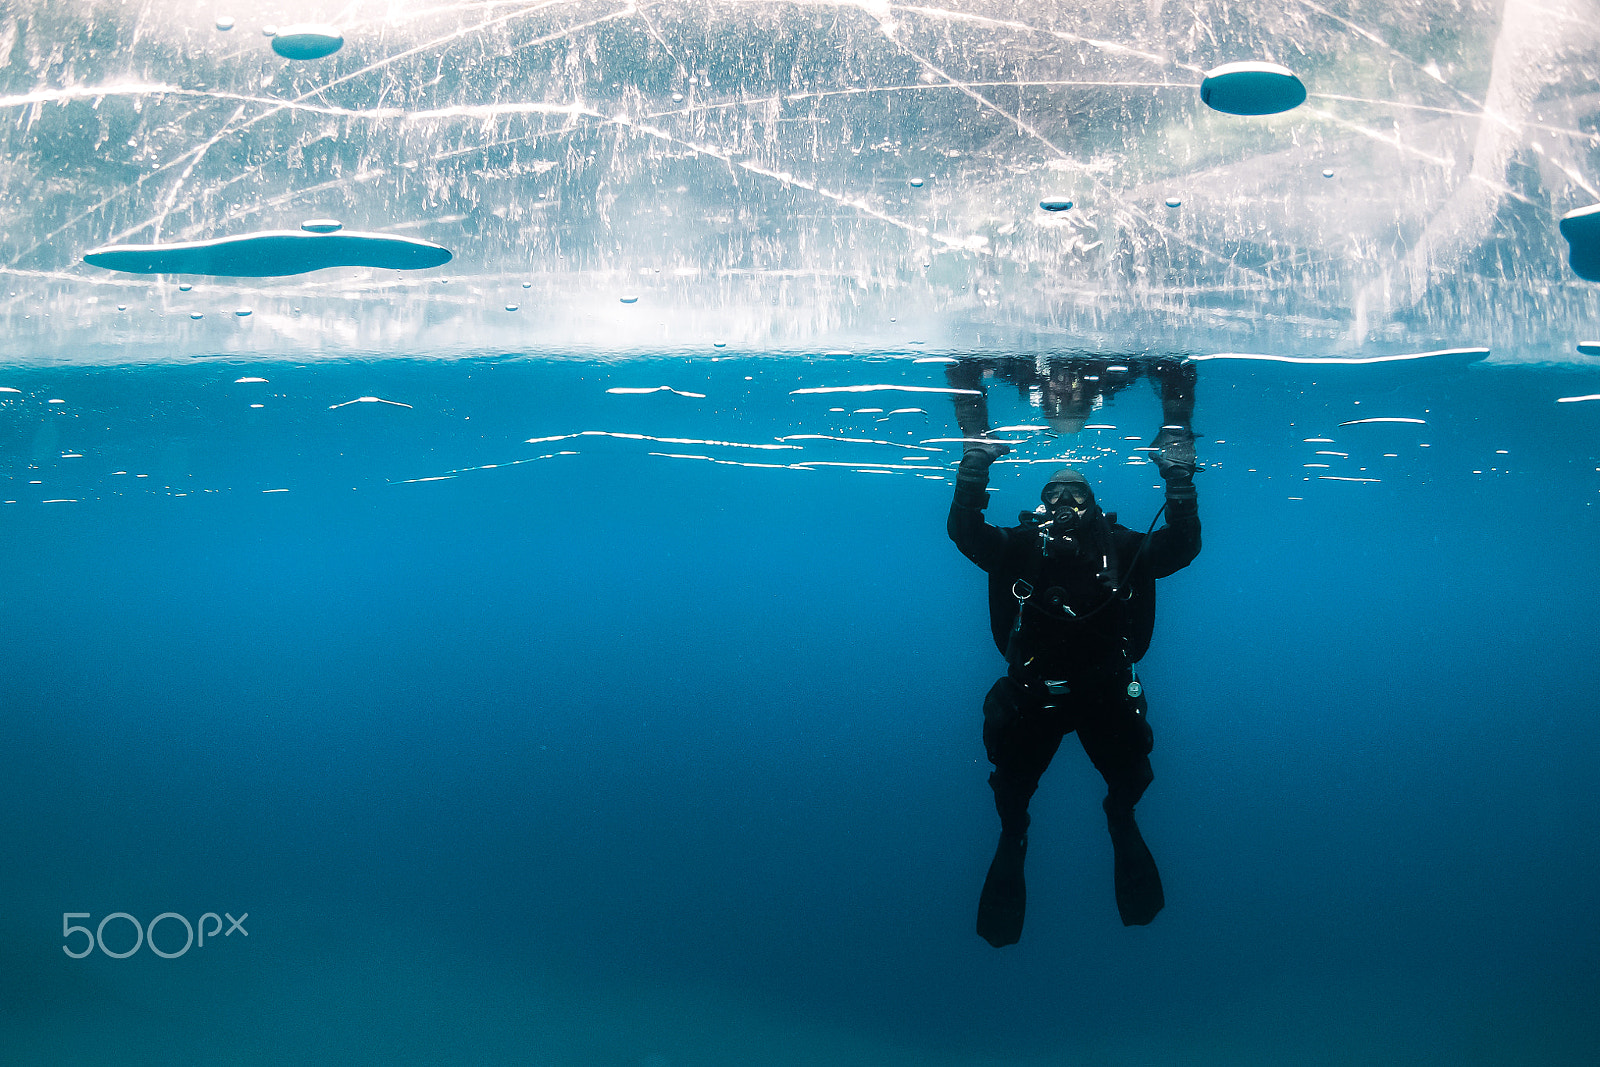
(983, 453)
(1174, 452)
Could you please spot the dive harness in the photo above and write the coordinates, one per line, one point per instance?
(1023, 590)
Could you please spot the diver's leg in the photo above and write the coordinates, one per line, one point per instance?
(1116, 735)
(1020, 739)
(972, 407)
(1020, 743)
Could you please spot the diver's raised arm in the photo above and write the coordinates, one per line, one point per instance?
(980, 542)
(1178, 542)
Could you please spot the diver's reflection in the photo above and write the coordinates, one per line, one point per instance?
(1068, 391)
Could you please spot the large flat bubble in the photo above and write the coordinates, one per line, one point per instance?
(307, 42)
(1581, 228)
(1252, 89)
(272, 254)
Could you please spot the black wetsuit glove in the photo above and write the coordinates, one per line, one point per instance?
(1174, 455)
(972, 476)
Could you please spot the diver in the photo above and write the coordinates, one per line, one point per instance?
(1072, 608)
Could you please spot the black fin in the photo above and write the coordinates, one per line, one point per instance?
(1138, 883)
(1005, 894)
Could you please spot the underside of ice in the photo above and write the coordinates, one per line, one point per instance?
(809, 176)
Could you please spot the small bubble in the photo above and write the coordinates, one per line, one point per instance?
(224, 23)
(1173, 201)
(511, 307)
(916, 183)
(122, 307)
(677, 98)
(1327, 173)
(243, 313)
(196, 315)
(527, 285)
(269, 31)
(185, 288)
(1055, 203)
(719, 344)
(630, 300)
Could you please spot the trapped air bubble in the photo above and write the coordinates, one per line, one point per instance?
(1581, 228)
(1252, 88)
(307, 42)
(272, 254)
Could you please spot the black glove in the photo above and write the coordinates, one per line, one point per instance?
(972, 476)
(982, 453)
(1174, 453)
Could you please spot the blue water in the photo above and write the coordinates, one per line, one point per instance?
(579, 754)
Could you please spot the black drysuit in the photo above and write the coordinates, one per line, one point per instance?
(1086, 622)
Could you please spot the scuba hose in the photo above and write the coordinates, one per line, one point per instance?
(1117, 591)
(1027, 589)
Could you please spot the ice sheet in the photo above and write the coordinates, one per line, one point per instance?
(806, 177)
